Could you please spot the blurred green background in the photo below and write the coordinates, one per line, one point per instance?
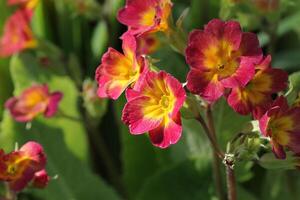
(92, 152)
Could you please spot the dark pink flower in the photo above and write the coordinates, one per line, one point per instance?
(18, 167)
(256, 97)
(33, 101)
(17, 35)
(145, 15)
(118, 71)
(155, 109)
(220, 56)
(281, 124)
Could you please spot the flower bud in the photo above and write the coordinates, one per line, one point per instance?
(41, 179)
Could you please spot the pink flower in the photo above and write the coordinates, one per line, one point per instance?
(145, 15)
(41, 179)
(17, 35)
(256, 97)
(281, 124)
(118, 71)
(220, 56)
(33, 101)
(18, 167)
(155, 108)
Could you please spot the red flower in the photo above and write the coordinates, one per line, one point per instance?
(18, 167)
(220, 56)
(17, 34)
(33, 101)
(281, 124)
(256, 97)
(155, 108)
(145, 15)
(41, 179)
(118, 71)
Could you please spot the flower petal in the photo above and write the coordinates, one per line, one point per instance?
(135, 117)
(167, 134)
(204, 84)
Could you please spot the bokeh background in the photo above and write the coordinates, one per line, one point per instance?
(89, 150)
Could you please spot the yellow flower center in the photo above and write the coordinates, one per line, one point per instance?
(221, 58)
(280, 128)
(12, 169)
(164, 102)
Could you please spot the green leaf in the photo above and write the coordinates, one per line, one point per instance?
(287, 60)
(99, 39)
(25, 71)
(185, 180)
(269, 161)
(227, 122)
(294, 89)
(75, 180)
(138, 156)
(5, 82)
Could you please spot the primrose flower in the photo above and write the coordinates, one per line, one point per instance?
(220, 56)
(33, 101)
(118, 71)
(28, 4)
(17, 35)
(281, 124)
(145, 15)
(147, 43)
(155, 108)
(256, 97)
(41, 179)
(19, 167)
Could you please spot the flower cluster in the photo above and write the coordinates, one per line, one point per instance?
(154, 98)
(33, 101)
(17, 35)
(227, 62)
(224, 62)
(23, 166)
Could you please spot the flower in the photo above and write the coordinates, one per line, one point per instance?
(17, 34)
(117, 71)
(147, 43)
(41, 179)
(19, 167)
(220, 56)
(281, 124)
(145, 15)
(155, 108)
(28, 4)
(256, 97)
(33, 101)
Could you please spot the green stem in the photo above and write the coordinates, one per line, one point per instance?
(216, 161)
(104, 153)
(211, 139)
(61, 113)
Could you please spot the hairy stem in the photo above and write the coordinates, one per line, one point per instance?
(211, 139)
(216, 161)
(231, 185)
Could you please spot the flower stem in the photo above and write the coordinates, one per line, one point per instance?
(10, 195)
(231, 185)
(213, 143)
(216, 161)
